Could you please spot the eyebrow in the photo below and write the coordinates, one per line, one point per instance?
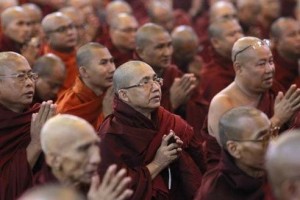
(261, 133)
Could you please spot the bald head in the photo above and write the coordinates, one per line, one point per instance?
(145, 33)
(51, 192)
(222, 10)
(283, 163)
(12, 13)
(85, 53)
(34, 11)
(68, 130)
(50, 21)
(9, 60)
(48, 64)
(74, 14)
(4, 4)
(115, 7)
(280, 25)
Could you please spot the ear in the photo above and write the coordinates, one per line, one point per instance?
(140, 51)
(83, 72)
(214, 42)
(237, 67)
(53, 160)
(233, 149)
(122, 94)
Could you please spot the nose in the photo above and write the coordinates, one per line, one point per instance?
(270, 68)
(95, 156)
(168, 50)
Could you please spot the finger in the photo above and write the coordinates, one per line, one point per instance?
(278, 97)
(166, 139)
(295, 94)
(33, 117)
(125, 195)
(110, 172)
(172, 146)
(115, 180)
(41, 111)
(95, 182)
(290, 91)
(44, 116)
(52, 111)
(189, 90)
(122, 185)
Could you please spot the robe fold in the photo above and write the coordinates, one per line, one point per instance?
(286, 72)
(15, 171)
(69, 60)
(131, 140)
(227, 182)
(82, 102)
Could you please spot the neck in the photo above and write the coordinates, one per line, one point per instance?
(96, 89)
(289, 57)
(123, 50)
(62, 49)
(251, 95)
(64, 180)
(253, 172)
(15, 108)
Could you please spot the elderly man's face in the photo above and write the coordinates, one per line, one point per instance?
(289, 42)
(271, 8)
(158, 51)
(63, 34)
(80, 159)
(101, 68)
(47, 87)
(16, 86)
(18, 29)
(123, 35)
(258, 69)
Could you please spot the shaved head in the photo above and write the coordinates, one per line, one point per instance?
(51, 192)
(116, 7)
(33, 10)
(11, 14)
(145, 33)
(85, 53)
(4, 4)
(283, 163)
(48, 64)
(183, 33)
(9, 60)
(280, 25)
(52, 19)
(74, 14)
(222, 10)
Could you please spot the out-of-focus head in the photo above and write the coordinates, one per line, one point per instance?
(60, 31)
(185, 43)
(282, 164)
(253, 64)
(52, 73)
(223, 34)
(270, 9)
(222, 10)
(162, 14)
(85, 6)
(51, 192)
(123, 28)
(96, 65)
(285, 35)
(154, 46)
(71, 148)
(16, 82)
(248, 11)
(114, 8)
(7, 3)
(79, 21)
(15, 23)
(35, 14)
(137, 84)
(245, 133)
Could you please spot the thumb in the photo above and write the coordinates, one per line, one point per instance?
(95, 182)
(279, 97)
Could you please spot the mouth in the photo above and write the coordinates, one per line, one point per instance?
(156, 98)
(30, 93)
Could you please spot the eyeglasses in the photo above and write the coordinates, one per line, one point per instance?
(63, 29)
(272, 133)
(146, 83)
(127, 30)
(22, 76)
(256, 45)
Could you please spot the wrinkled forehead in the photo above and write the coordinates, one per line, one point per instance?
(59, 21)
(19, 15)
(255, 126)
(14, 65)
(140, 72)
(79, 138)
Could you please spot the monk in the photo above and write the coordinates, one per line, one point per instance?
(72, 154)
(36, 15)
(85, 98)
(284, 35)
(154, 145)
(20, 125)
(52, 192)
(114, 8)
(51, 75)
(244, 134)
(283, 170)
(6, 4)
(154, 46)
(61, 40)
(253, 86)
(122, 32)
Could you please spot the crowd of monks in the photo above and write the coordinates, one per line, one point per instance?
(149, 99)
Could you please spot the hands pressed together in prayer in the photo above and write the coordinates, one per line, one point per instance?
(182, 89)
(113, 186)
(168, 151)
(286, 105)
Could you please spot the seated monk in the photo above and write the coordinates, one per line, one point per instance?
(122, 31)
(282, 164)
(19, 141)
(244, 134)
(61, 36)
(51, 75)
(284, 35)
(154, 46)
(253, 86)
(72, 155)
(158, 149)
(36, 15)
(85, 98)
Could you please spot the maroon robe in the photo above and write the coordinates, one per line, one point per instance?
(286, 72)
(131, 140)
(7, 44)
(15, 171)
(228, 182)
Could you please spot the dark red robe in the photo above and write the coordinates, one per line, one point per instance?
(7, 44)
(286, 72)
(228, 182)
(15, 171)
(131, 140)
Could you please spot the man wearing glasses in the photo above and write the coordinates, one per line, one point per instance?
(154, 145)
(244, 134)
(253, 86)
(20, 124)
(62, 38)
